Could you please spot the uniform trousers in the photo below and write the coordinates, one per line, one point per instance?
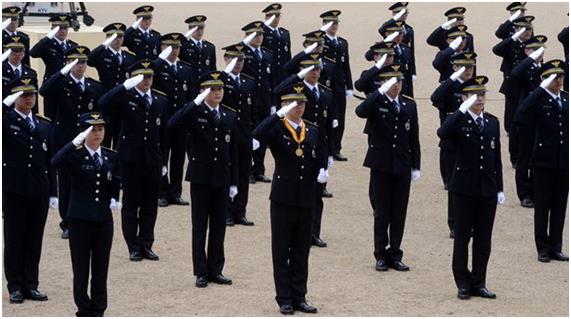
(171, 184)
(341, 99)
(237, 207)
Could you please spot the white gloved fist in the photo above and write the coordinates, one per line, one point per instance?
(310, 48)
(301, 74)
(164, 171)
(349, 93)
(545, 83)
(52, 32)
(78, 140)
(387, 85)
(115, 204)
(413, 78)
(456, 75)
(537, 53)
(270, 20)
(110, 39)
(323, 176)
(285, 109)
(231, 66)
(132, 82)
(515, 16)
(232, 192)
(399, 15)
(381, 61)
(415, 175)
(190, 32)
(273, 109)
(10, 99)
(334, 123)
(135, 24)
(200, 97)
(255, 144)
(330, 162)
(65, 70)
(448, 24)
(501, 198)
(249, 38)
(165, 54)
(6, 23)
(6, 54)
(326, 27)
(391, 36)
(54, 202)
(468, 103)
(456, 43)
(516, 35)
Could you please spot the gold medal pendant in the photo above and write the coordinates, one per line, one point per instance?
(299, 152)
(296, 138)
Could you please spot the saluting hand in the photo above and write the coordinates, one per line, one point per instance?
(52, 32)
(190, 32)
(326, 27)
(78, 140)
(135, 24)
(6, 23)
(310, 48)
(515, 16)
(10, 99)
(286, 109)
(231, 66)
(132, 82)
(200, 97)
(545, 83)
(456, 43)
(65, 70)
(249, 38)
(536, 55)
(516, 35)
(110, 39)
(387, 85)
(468, 103)
(6, 54)
(301, 74)
(399, 15)
(457, 74)
(270, 20)
(381, 61)
(391, 37)
(166, 52)
(448, 24)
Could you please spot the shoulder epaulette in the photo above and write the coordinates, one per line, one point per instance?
(129, 52)
(109, 149)
(184, 62)
(160, 92)
(78, 147)
(324, 87)
(267, 49)
(490, 115)
(286, 30)
(247, 75)
(329, 59)
(228, 108)
(45, 118)
(310, 123)
(407, 97)
(565, 92)
(92, 79)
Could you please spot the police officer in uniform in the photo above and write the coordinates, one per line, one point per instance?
(476, 185)
(176, 79)
(212, 173)
(95, 190)
(563, 37)
(403, 54)
(277, 39)
(200, 53)
(11, 30)
(455, 18)
(408, 31)
(301, 159)
(140, 38)
(13, 67)
(456, 37)
(394, 159)
(51, 49)
(141, 150)
(546, 110)
(507, 29)
(239, 94)
(73, 94)
(27, 182)
(382, 53)
(111, 62)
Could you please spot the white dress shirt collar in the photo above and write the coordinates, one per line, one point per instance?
(14, 67)
(82, 80)
(144, 93)
(24, 116)
(293, 124)
(553, 95)
(213, 108)
(91, 151)
(476, 116)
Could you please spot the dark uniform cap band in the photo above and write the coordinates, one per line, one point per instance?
(552, 67)
(92, 119)
(332, 15)
(144, 12)
(475, 84)
(11, 12)
(235, 50)
(391, 71)
(24, 84)
(272, 9)
(212, 79)
(196, 21)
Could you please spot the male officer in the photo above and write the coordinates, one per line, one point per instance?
(456, 38)
(94, 192)
(312, 43)
(277, 40)
(403, 54)
(140, 38)
(546, 110)
(476, 185)
(239, 94)
(10, 30)
(200, 53)
(111, 63)
(301, 159)
(27, 182)
(51, 49)
(212, 173)
(507, 29)
(13, 67)
(176, 79)
(408, 31)
(73, 94)
(563, 37)
(394, 159)
(382, 53)
(142, 148)
(455, 18)
(337, 48)
(258, 63)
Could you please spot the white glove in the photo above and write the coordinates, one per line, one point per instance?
(114, 204)
(200, 97)
(135, 24)
(6, 23)
(323, 176)
(501, 198)
(301, 74)
(330, 162)
(310, 48)
(164, 55)
(415, 175)
(391, 37)
(6, 54)
(190, 32)
(285, 109)
(399, 15)
(515, 16)
(334, 123)
(65, 70)
(249, 38)
(516, 35)
(164, 171)
(110, 39)
(273, 109)
(456, 43)
(54, 202)
(326, 27)
(132, 82)
(349, 93)
(270, 20)
(78, 140)
(448, 24)
(537, 53)
(414, 78)
(381, 61)
(387, 85)
(545, 83)
(233, 192)
(469, 102)
(255, 144)
(231, 66)
(457, 74)
(10, 99)
(52, 32)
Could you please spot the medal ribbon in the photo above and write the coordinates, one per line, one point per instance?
(297, 139)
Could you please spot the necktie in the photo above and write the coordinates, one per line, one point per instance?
(119, 58)
(80, 84)
(278, 32)
(174, 69)
(315, 92)
(480, 123)
(399, 50)
(146, 35)
(259, 54)
(558, 100)
(30, 123)
(238, 81)
(148, 101)
(97, 160)
(396, 106)
(63, 46)
(199, 45)
(298, 130)
(335, 41)
(17, 73)
(216, 116)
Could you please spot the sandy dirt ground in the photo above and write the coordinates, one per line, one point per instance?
(342, 278)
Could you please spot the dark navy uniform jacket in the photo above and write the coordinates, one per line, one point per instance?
(143, 47)
(9, 75)
(179, 87)
(280, 47)
(438, 39)
(241, 99)
(526, 77)
(201, 60)
(341, 79)
(512, 53)
(24, 38)
(52, 53)
(369, 81)
(446, 99)
(111, 73)
(261, 71)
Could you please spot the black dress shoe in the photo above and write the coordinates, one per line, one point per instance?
(263, 178)
(339, 157)
(201, 282)
(463, 293)
(559, 256)
(220, 279)
(65, 234)
(451, 235)
(286, 309)
(149, 254)
(326, 193)
(304, 307)
(399, 265)
(527, 203)
(252, 179)
(179, 201)
(34, 294)
(16, 297)
(316, 241)
(244, 221)
(230, 222)
(543, 257)
(163, 202)
(483, 292)
(381, 265)
(135, 256)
